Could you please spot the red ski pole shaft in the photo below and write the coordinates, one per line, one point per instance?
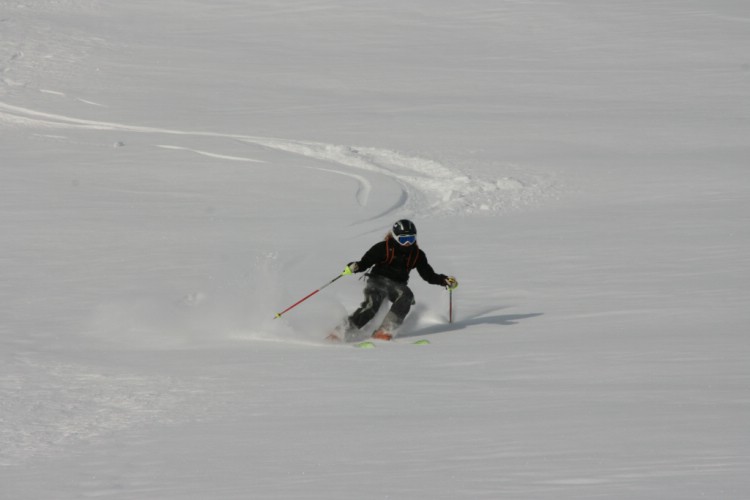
(278, 315)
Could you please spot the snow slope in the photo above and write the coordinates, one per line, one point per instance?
(172, 174)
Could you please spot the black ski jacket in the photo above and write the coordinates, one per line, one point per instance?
(391, 260)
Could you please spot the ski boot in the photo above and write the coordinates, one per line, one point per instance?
(382, 334)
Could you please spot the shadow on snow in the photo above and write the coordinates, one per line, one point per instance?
(479, 319)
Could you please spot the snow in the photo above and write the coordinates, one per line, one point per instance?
(173, 174)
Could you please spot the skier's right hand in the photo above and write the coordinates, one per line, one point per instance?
(350, 268)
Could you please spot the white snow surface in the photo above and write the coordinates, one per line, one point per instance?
(174, 173)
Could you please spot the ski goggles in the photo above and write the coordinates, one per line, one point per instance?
(406, 239)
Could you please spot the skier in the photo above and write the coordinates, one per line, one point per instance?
(390, 262)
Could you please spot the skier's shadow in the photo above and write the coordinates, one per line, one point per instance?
(477, 319)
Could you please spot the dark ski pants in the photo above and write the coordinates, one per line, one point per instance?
(376, 291)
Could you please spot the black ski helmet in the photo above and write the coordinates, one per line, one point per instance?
(404, 232)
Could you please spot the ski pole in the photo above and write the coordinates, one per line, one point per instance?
(450, 305)
(278, 315)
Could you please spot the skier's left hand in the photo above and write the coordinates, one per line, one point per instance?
(450, 283)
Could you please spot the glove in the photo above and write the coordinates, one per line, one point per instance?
(350, 268)
(450, 283)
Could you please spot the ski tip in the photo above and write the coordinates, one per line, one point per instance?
(422, 342)
(365, 345)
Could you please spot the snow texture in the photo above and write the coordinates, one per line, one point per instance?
(173, 174)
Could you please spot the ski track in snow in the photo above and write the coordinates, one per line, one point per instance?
(211, 155)
(428, 187)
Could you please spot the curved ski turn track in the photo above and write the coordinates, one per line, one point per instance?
(428, 187)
